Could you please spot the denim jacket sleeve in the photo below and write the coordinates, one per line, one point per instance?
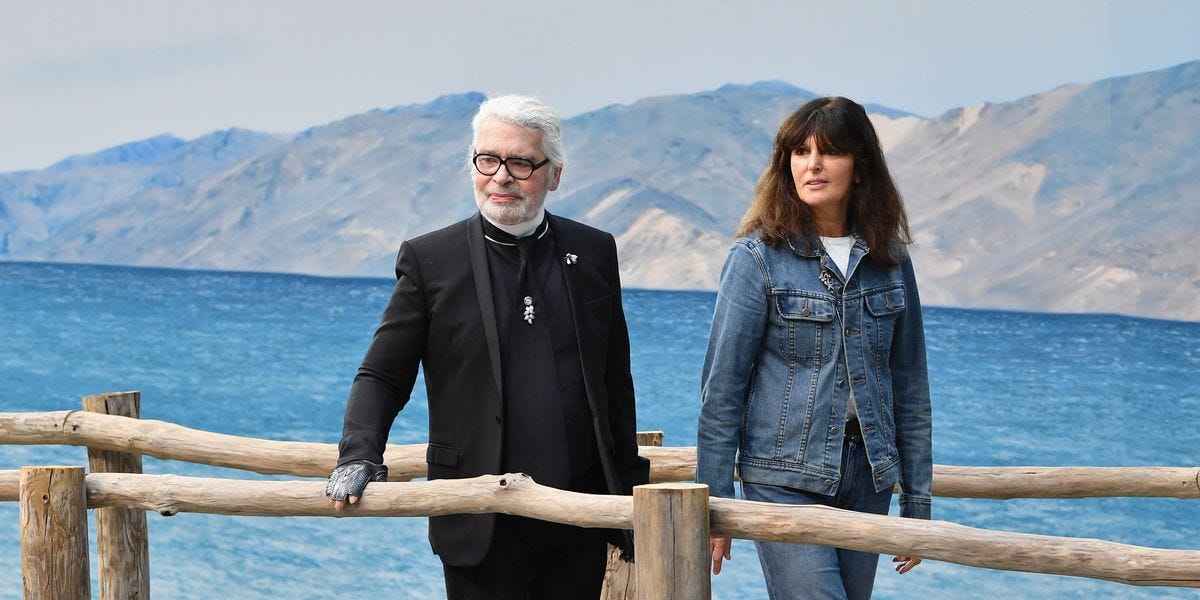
(733, 348)
(913, 414)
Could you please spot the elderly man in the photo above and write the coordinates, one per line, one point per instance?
(516, 316)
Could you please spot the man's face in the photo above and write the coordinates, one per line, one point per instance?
(502, 198)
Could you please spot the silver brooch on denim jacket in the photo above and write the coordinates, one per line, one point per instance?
(829, 280)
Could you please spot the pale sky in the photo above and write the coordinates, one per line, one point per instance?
(77, 77)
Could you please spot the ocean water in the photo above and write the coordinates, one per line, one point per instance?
(272, 356)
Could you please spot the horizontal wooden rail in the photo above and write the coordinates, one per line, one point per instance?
(950, 542)
(10, 485)
(405, 462)
(519, 495)
(1003, 483)
(169, 441)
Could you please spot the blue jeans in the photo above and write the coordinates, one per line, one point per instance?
(795, 571)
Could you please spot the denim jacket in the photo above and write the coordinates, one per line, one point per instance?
(775, 385)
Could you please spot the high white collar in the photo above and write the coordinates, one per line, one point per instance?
(523, 228)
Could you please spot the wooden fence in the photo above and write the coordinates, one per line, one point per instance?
(672, 519)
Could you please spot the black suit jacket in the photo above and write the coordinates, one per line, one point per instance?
(441, 315)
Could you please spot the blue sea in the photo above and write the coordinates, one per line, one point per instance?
(272, 356)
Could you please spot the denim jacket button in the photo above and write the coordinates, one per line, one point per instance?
(833, 429)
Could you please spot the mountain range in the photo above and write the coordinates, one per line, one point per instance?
(1079, 199)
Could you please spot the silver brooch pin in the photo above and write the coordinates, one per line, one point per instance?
(828, 279)
(570, 259)
(528, 310)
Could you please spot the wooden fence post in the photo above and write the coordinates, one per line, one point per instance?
(122, 544)
(54, 545)
(620, 578)
(670, 522)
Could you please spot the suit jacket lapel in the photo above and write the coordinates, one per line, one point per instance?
(564, 237)
(483, 289)
(576, 298)
(591, 355)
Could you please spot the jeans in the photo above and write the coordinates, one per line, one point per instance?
(795, 571)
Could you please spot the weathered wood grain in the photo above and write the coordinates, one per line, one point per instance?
(54, 526)
(122, 542)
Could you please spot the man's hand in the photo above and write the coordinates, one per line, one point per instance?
(347, 482)
(720, 549)
(906, 563)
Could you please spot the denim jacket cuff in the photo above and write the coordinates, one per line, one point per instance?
(914, 507)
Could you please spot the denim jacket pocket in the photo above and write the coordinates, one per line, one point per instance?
(883, 307)
(806, 331)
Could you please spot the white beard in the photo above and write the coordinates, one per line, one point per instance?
(510, 213)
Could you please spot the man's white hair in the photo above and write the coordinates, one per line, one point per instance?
(527, 112)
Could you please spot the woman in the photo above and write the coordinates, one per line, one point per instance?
(815, 384)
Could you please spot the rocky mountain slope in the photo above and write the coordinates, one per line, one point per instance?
(1082, 199)
(1079, 199)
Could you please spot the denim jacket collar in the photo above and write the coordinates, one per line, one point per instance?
(802, 248)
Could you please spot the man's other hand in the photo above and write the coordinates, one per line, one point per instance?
(721, 550)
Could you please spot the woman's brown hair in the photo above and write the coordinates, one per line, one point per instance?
(875, 210)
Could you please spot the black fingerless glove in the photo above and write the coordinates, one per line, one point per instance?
(351, 478)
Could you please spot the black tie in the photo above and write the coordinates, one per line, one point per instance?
(534, 434)
(526, 283)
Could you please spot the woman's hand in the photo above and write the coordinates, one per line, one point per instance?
(906, 563)
(719, 549)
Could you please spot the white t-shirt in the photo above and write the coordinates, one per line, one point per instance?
(838, 249)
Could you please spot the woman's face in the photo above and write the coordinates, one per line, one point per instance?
(823, 178)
